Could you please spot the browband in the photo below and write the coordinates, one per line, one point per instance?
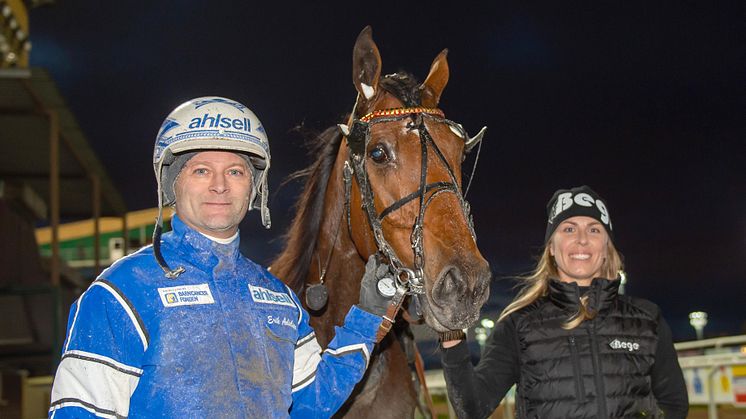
(401, 111)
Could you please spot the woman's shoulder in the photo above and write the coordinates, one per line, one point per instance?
(641, 304)
(530, 310)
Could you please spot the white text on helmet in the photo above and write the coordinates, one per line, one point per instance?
(219, 121)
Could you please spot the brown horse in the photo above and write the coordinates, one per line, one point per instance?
(411, 209)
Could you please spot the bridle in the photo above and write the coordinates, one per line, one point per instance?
(358, 137)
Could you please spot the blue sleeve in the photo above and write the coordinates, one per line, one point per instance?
(322, 381)
(101, 356)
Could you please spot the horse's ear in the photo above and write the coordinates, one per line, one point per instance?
(366, 68)
(436, 81)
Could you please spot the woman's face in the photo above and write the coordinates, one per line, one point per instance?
(579, 247)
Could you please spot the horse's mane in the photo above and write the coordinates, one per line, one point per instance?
(304, 231)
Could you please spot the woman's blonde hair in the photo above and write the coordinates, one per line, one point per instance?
(536, 284)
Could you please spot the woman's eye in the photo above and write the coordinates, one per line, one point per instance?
(235, 172)
(568, 229)
(379, 154)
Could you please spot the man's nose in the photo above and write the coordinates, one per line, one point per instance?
(218, 183)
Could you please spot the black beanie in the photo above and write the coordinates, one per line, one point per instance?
(566, 203)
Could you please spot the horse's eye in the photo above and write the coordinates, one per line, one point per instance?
(379, 154)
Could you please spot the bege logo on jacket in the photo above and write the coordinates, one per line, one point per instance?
(263, 295)
(630, 346)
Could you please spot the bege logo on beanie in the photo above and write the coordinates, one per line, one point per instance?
(579, 201)
(566, 200)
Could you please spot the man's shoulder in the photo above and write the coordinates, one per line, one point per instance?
(141, 259)
(261, 275)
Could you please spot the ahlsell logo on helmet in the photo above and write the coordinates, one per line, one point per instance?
(629, 346)
(220, 121)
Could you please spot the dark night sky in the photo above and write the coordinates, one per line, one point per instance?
(644, 101)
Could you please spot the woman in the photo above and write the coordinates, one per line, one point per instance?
(572, 344)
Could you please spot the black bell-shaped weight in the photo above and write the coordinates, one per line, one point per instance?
(316, 297)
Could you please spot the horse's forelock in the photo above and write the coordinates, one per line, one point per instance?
(403, 86)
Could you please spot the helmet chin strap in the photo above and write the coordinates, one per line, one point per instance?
(157, 231)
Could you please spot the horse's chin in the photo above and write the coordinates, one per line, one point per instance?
(450, 319)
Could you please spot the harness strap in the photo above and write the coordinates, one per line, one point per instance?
(358, 136)
(400, 203)
(420, 367)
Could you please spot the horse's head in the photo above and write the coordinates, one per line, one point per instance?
(407, 157)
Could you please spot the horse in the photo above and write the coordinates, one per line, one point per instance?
(387, 181)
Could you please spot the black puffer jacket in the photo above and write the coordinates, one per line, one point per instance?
(621, 364)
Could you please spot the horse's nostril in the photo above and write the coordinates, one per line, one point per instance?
(449, 287)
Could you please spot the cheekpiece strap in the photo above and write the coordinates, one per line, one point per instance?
(402, 111)
(358, 137)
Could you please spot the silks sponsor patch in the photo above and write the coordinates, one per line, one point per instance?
(186, 295)
(263, 295)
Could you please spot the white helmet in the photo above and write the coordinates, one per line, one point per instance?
(212, 123)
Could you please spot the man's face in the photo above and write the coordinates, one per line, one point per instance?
(212, 192)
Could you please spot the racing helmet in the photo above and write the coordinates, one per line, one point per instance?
(212, 123)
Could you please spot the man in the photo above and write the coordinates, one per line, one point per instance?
(216, 335)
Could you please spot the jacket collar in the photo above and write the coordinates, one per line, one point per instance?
(199, 249)
(601, 294)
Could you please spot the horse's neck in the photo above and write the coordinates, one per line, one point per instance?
(388, 381)
(345, 266)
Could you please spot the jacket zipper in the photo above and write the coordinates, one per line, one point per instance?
(597, 373)
(579, 387)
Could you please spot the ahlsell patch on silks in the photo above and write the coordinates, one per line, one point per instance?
(263, 295)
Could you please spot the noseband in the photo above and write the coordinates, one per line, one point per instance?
(358, 138)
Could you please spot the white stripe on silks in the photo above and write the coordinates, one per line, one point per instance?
(127, 310)
(300, 309)
(94, 384)
(53, 410)
(351, 348)
(307, 358)
(302, 341)
(93, 357)
(75, 320)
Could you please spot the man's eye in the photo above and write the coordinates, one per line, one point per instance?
(235, 172)
(379, 154)
(568, 229)
(200, 171)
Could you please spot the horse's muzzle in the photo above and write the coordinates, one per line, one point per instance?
(457, 296)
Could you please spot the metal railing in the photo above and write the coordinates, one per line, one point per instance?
(724, 352)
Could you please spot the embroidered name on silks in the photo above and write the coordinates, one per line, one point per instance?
(186, 295)
(284, 322)
(630, 346)
(263, 295)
